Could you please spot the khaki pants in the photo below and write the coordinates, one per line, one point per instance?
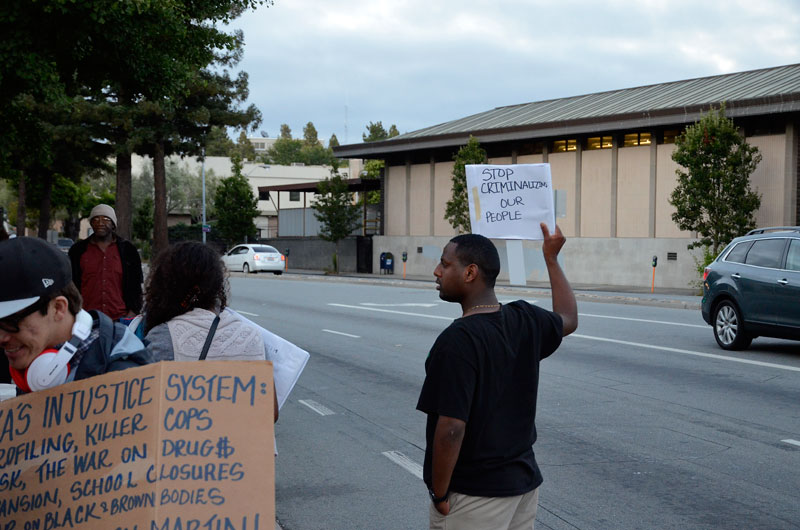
(487, 513)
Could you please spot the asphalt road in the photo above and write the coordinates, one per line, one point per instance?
(643, 421)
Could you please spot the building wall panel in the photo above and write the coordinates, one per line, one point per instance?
(769, 178)
(666, 179)
(443, 190)
(596, 193)
(396, 201)
(633, 191)
(562, 170)
(530, 159)
(420, 204)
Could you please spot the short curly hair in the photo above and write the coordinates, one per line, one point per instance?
(183, 277)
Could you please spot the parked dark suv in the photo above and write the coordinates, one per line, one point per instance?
(753, 288)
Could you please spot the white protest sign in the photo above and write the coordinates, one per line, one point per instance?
(509, 201)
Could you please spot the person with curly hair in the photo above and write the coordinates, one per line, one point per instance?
(186, 292)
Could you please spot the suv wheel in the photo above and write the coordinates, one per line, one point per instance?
(729, 327)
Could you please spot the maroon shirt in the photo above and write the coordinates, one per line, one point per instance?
(101, 280)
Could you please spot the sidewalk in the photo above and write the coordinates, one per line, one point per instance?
(673, 298)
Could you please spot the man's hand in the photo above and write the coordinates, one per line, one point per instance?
(552, 243)
(443, 507)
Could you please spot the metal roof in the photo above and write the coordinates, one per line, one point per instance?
(769, 90)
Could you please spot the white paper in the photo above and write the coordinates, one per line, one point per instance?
(509, 201)
(288, 360)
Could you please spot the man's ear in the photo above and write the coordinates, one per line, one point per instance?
(60, 308)
(471, 273)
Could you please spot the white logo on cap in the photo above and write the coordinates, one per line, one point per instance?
(47, 282)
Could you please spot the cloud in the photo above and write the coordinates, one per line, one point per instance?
(416, 63)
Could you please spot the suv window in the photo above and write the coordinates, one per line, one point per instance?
(793, 257)
(739, 252)
(766, 253)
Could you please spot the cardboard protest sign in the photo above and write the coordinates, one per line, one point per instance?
(509, 201)
(160, 447)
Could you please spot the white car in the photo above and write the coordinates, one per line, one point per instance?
(254, 258)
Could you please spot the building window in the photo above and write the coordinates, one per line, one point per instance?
(560, 146)
(671, 136)
(263, 195)
(634, 139)
(294, 196)
(599, 142)
(531, 148)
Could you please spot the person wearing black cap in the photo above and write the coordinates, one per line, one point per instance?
(107, 268)
(47, 337)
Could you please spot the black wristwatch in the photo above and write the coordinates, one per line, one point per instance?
(435, 499)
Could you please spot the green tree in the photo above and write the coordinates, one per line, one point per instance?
(333, 142)
(334, 208)
(713, 195)
(286, 131)
(235, 205)
(377, 132)
(284, 151)
(245, 148)
(457, 209)
(143, 221)
(218, 143)
(310, 135)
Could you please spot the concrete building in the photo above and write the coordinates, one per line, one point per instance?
(259, 175)
(610, 156)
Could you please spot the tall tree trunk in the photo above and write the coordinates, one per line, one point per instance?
(72, 226)
(44, 205)
(160, 237)
(21, 211)
(124, 203)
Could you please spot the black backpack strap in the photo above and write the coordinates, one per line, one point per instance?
(210, 336)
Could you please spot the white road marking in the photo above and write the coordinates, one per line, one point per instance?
(792, 442)
(403, 461)
(690, 352)
(322, 410)
(602, 339)
(645, 320)
(245, 313)
(342, 333)
(391, 311)
(397, 305)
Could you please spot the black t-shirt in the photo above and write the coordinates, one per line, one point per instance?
(484, 369)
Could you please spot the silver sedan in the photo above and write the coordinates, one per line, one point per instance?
(254, 258)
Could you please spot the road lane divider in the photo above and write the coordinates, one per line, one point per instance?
(645, 320)
(392, 311)
(342, 333)
(791, 442)
(322, 410)
(603, 339)
(689, 352)
(405, 462)
(406, 304)
(245, 313)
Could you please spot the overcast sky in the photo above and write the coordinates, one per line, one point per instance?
(417, 63)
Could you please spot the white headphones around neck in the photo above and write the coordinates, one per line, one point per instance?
(50, 368)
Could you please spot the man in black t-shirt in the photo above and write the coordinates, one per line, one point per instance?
(481, 383)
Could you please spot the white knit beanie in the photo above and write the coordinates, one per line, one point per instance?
(103, 209)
